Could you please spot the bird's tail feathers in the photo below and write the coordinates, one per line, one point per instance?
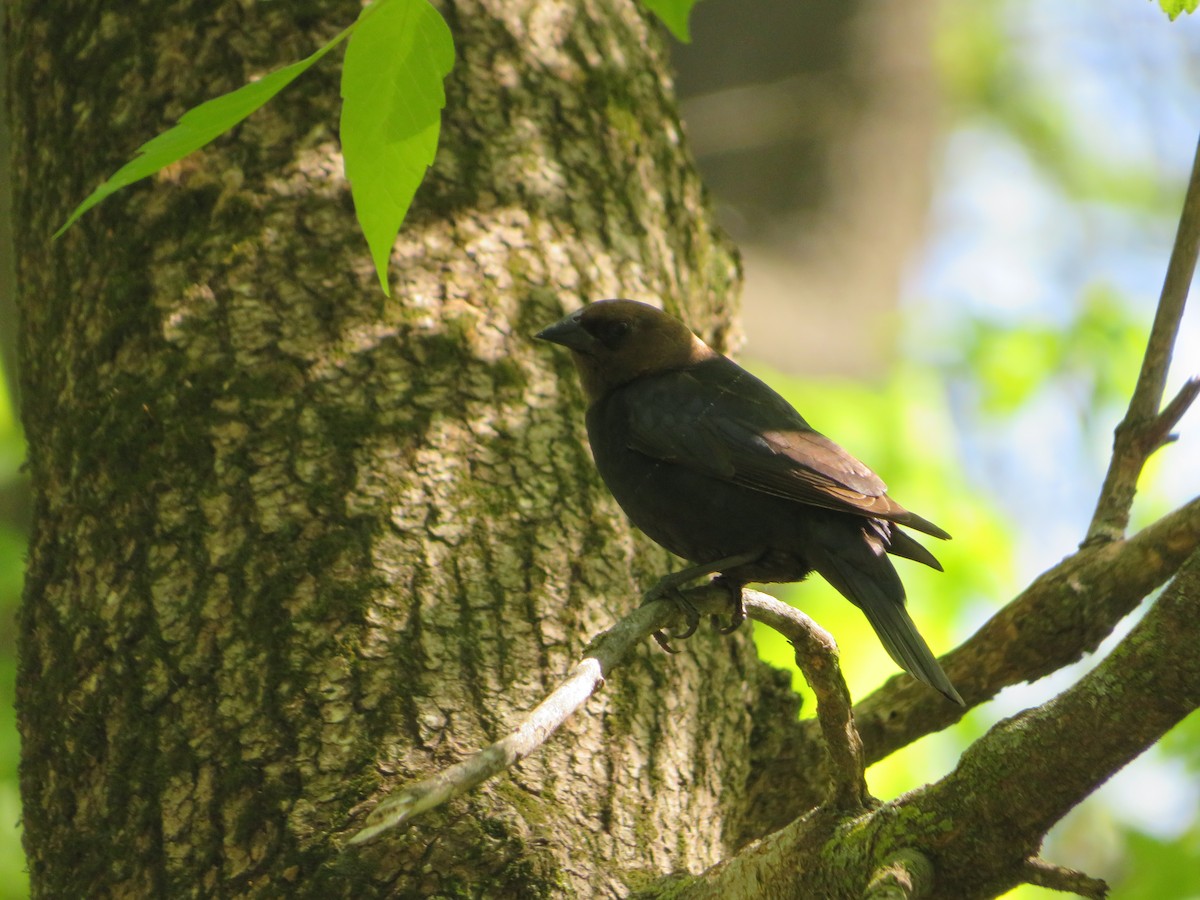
(880, 595)
(920, 523)
(905, 645)
(902, 544)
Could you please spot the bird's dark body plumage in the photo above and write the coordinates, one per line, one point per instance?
(712, 463)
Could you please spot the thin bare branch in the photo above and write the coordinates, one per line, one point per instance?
(1144, 428)
(604, 653)
(1174, 411)
(816, 653)
(1038, 872)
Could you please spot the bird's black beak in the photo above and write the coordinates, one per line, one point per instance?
(568, 332)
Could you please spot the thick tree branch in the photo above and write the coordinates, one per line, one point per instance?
(816, 654)
(1065, 613)
(1144, 428)
(981, 826)
(906, 876)
(1013, 784)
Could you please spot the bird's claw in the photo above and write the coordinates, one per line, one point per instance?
(692, 616)
(660, 637)
(668, 588)
(669, 585)
(738, 611)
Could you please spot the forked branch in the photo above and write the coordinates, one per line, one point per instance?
(816, 654)
(1147, 426)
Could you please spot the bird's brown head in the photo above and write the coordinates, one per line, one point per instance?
(615, 341)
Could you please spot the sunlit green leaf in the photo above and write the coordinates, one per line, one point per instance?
(1174, 7)
(674, 14)
(392, 98)
(199, 126)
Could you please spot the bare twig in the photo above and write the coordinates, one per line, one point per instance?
(605, 653)
(1144, 428)
(816, 654)
(1038, 872)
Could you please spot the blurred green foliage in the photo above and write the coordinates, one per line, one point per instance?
(14, 882)
(1158, 869)
(987, 77)
(903, 429)
(1018, 70)
(1095, 356)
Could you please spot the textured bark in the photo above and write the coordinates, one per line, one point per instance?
(294, 540)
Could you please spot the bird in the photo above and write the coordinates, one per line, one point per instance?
(715, 466)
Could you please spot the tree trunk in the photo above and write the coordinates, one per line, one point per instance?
(296, 542)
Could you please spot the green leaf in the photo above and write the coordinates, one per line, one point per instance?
(674, 14)
(1174, 7)
(392, 98)
(200, 125)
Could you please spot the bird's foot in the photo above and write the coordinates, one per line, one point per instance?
(737, 614)
(669, 587)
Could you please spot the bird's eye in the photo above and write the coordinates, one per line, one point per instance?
(610, 333)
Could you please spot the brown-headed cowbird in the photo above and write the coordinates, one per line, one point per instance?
(719, 469)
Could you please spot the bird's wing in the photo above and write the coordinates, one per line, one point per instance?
(719, 419)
